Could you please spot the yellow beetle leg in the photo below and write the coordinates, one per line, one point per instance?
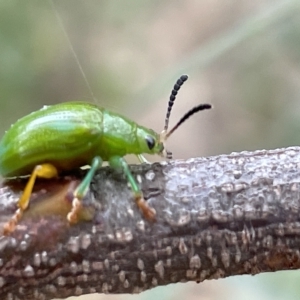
(42, 171)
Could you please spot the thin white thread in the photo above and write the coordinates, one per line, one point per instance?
(61, 24)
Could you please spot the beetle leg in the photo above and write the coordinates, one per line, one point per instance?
(148, 212)
(82, 189)
(43, 171)
(142, 159)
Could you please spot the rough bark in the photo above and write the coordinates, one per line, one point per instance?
(216, 217)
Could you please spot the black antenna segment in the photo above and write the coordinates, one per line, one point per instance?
(187, 115)
(173, 95)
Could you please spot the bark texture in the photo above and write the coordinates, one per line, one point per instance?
(216, 217)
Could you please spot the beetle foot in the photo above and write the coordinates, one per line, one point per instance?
(10, 226)
(148, 212)
(72, 216)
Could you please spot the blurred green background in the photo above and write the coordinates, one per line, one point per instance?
(242, 56)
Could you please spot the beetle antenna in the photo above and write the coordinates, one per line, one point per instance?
(165, 134)
(186, 116)
(173, 95)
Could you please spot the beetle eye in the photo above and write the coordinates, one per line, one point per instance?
(150, 142)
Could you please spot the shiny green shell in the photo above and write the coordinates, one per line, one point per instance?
(69, 135)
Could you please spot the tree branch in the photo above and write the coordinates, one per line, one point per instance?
(216, 217)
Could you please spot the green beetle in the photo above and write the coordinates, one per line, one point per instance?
(70, 135)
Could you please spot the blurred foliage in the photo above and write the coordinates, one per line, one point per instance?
(243, 56)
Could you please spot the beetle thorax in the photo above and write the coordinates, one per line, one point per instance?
(121, 136)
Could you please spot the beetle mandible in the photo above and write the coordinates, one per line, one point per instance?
(69, 135)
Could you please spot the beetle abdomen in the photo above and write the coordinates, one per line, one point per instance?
(65, 135)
